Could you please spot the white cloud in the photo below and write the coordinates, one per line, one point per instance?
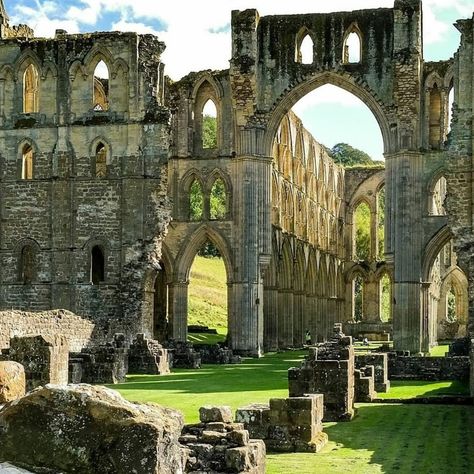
(189, 24)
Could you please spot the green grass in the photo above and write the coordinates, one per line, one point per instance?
(204, 338)
(255, 380)
(383, 438)
(439, 351)
(391, 439)
(416, 389)
(207, 304)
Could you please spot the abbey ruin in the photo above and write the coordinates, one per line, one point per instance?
(99, 152)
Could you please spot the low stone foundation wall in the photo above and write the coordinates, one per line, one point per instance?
(77, 330)
(373, 331)
(428, 368)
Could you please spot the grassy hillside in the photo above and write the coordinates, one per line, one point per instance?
(208, 294)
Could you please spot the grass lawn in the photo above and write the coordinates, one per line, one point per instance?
(383, 438)
(417, 388)
(204, 338)
(439, 351)
(208, 294)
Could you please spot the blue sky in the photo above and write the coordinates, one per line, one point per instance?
(197, 36)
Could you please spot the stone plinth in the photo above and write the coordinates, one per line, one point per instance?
(217, 445)
(364, 385)
(329, 370)
(106, 364)
(380, 363)
(287, 424)
(147, 356)
(44, 358)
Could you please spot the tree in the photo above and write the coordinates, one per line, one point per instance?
(347, 155)
(209, 131)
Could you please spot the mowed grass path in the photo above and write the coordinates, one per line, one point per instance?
(385, 438)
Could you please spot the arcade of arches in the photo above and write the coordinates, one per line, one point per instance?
(132, 175)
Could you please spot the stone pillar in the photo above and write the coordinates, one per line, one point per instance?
(270, 310)
(298, 320)
(407, 321)
(285, 318)
(178, 294)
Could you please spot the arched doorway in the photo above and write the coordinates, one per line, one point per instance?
(197, 290)
(207, 297)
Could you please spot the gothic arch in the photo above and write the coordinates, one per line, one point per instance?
(26, 58)
(95, 55)
(191, 245)
(342, 80)
(96, 142)
(433, 248)
(300, 37)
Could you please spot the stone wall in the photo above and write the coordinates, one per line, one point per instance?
(428, 368)
(44, 358)
(78, 331)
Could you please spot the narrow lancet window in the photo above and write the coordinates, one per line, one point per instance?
(97, 265)
(218, 200)
(209, 125)
(27, 163)
(101, 161)
(352, 48)
(30, 90)
(196, 201)
(101, 87)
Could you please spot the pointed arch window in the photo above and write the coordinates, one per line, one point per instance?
(362, 227)
(27, 264)
(27, 162)
(101, 87)
(196, 201)
(449, 117)
(209, 125)
(304, 49)
(218, 200)
(97, 265)
(30, 90)
(100, 161)
(352, 49)
(385, 298)
(435, 117)
(358, 298)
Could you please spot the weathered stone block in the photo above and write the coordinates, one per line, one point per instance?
(364, 385)
(147, 356)
(44, 358)
(12, 381)
(81, 428)
(380, 363)
(215, 414)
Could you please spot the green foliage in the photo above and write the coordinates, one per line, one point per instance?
(381, 223)
(218, 200)
(196, 201)
(385, 298)
(347, 155)
(362, 236)
(209, 131)
(358, 298)
(209, 250)
(451, 307)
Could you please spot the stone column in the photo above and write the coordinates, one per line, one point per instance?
(270, 318)
(298, 320)
(285, 318)
(178, 294)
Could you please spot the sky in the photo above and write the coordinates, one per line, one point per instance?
(197, 35)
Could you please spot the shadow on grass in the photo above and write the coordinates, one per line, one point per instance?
(404, 389)
(265, 374)
(410, 438)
